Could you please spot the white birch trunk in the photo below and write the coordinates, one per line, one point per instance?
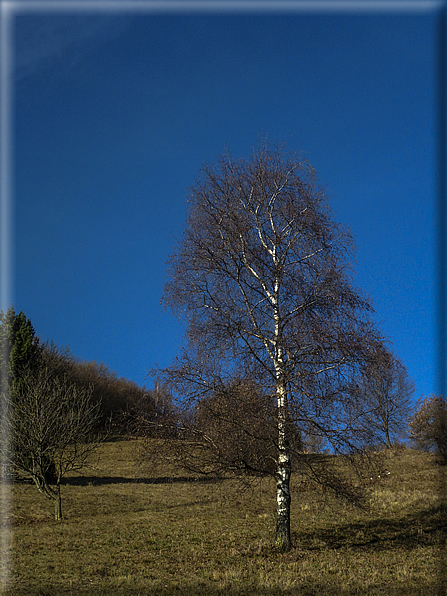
(282, 540)
(283, 470)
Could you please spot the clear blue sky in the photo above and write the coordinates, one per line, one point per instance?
(116, 112)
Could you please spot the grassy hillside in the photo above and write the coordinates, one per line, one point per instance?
(174, 534)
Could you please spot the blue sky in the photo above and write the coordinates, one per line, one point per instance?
(114, 114)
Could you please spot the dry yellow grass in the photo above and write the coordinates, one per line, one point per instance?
(178, 535)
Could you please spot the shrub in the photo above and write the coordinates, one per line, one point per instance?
(427, 427)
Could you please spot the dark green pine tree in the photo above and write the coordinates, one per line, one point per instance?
(19, 346)
(20, 355)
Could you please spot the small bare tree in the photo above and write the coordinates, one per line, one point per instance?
(48, 423)
(428, 426)
(262, 279)
(387, 390)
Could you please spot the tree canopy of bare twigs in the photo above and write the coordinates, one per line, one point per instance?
(47, 429)
(428, 426)
(263, 279)
(387, 390)
(231, 430)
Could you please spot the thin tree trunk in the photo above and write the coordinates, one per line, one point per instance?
(282, 540)
(51, 494)
(386, 429)
(58, 504)
(388, 440)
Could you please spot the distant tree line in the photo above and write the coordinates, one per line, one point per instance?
(55, 410)
(119, 399)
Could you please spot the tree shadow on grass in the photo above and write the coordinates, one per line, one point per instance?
(422, 528)
(102, 480)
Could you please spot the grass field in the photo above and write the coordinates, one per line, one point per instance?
(175, 534)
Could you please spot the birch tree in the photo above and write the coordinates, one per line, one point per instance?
(262, 277)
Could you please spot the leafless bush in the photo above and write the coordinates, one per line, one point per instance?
(427, 427)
